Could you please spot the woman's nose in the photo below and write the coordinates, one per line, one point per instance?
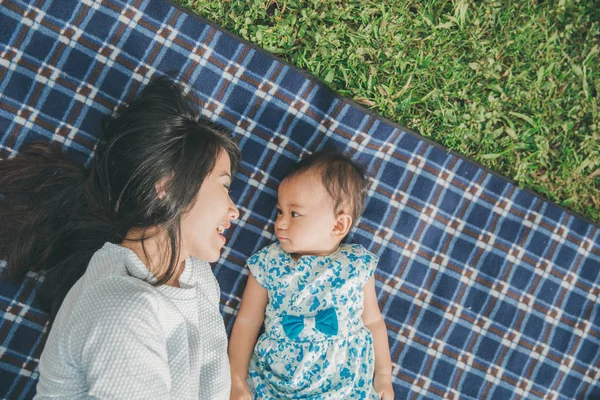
(234, 213)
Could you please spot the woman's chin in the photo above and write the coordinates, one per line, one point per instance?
(208, 255)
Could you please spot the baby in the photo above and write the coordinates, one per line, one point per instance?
(324, 333)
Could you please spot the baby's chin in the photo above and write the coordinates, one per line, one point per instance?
(296, 252)
(287, 246)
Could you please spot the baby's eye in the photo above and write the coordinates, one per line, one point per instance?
(279, 212)
(294, 214)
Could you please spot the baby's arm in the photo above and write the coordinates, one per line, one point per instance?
(243, 337)
(373, 320)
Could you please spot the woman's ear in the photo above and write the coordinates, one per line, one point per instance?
(161, 187)
(343, 223)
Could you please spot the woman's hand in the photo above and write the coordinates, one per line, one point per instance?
(240, 390)
(383, 386)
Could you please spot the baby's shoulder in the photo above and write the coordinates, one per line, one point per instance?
(360, 263)
(356, 252)
(268, 264)
(266, 254)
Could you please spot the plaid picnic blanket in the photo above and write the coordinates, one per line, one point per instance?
(488, 291)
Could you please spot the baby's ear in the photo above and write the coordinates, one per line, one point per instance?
(343, 222)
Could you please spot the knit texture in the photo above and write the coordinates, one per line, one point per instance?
(117, 336)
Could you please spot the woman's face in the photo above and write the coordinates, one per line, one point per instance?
(202, 226)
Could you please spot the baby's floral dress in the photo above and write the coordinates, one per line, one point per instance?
(315, 345)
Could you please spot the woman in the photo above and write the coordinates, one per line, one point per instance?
(125, 248)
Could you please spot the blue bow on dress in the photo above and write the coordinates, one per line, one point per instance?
(325, 321)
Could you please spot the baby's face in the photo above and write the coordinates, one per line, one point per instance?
(305, 217)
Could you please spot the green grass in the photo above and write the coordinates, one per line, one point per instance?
(512, 85)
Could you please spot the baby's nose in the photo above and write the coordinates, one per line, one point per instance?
(280, 223)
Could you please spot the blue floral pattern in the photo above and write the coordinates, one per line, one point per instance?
(314, 364)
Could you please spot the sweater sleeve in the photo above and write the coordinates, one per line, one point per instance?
(120, 343)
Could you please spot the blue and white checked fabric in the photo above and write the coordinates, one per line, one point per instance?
(488, 291)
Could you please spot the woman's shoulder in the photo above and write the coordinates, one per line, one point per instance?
(118, 299)
(112, 287)
(122, 289)
(114, 306)
(112, 314)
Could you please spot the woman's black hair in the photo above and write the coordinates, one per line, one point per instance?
(55, 215)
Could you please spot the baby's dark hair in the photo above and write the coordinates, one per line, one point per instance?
(344, 180)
